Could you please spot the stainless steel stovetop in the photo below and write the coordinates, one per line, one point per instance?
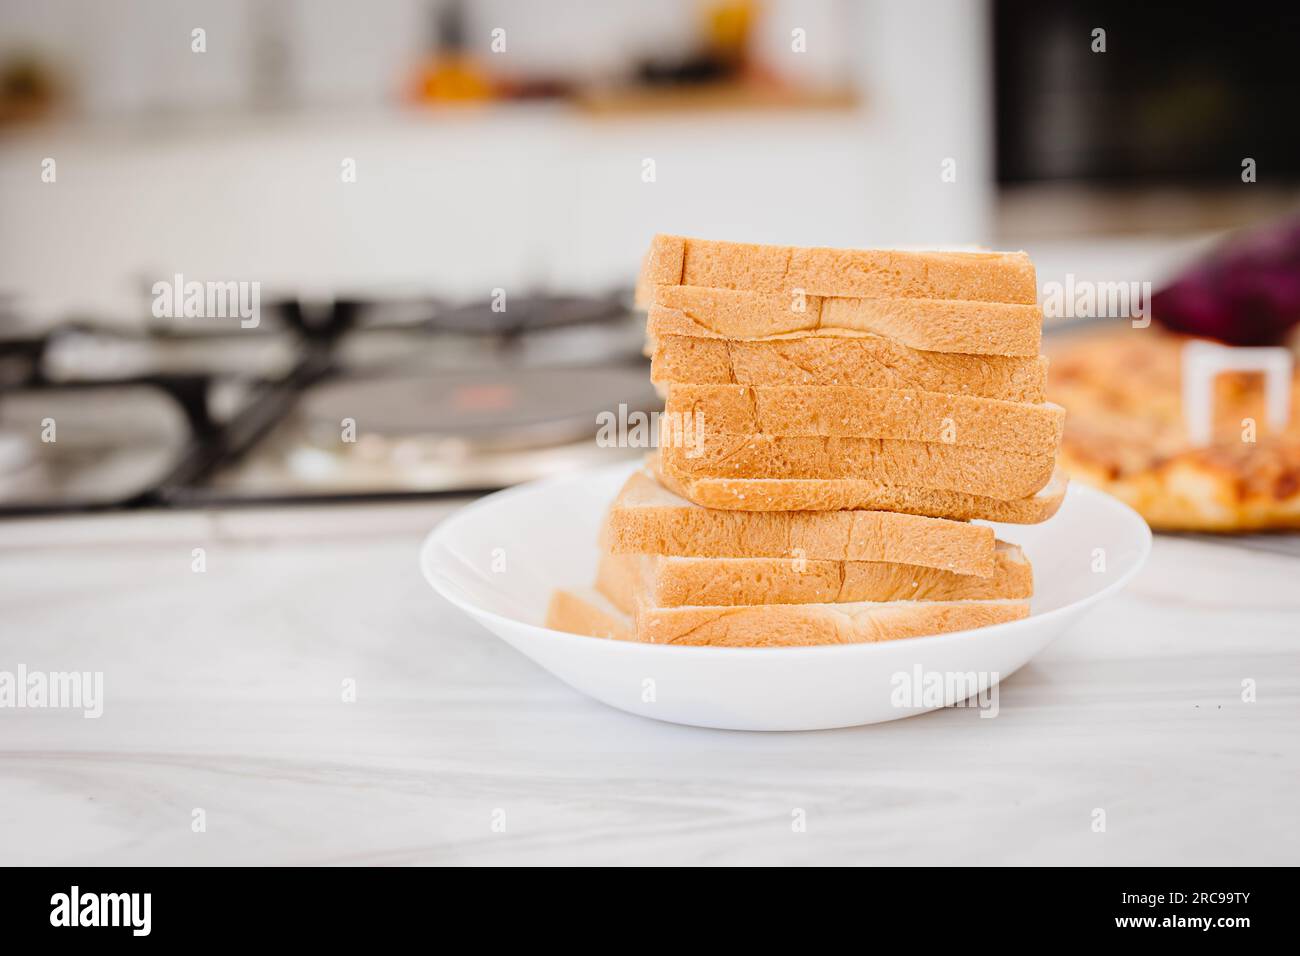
(321, 401)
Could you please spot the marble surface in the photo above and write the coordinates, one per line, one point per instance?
(223, 693)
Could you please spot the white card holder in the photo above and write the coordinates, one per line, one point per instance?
(1203, 362)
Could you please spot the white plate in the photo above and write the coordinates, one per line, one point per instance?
(499, 559)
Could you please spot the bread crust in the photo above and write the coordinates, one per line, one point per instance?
(854, 412)
(775, 625)
(870, 273)
(649, 519)
(800, 625)
(803, 494)
(935, 325)
(1002, 475)
(729, 582)
(858, 359)
(583, 613)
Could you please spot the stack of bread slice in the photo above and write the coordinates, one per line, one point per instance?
(854, 412)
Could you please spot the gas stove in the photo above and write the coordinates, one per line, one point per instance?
(332, 399)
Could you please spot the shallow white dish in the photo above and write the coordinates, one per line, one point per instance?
(500, 558)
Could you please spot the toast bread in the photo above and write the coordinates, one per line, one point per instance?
(847, 411)
(677, 581)
(933, 325)
(775, 625)
(869, 361)
(818, 495)
(868, 273)
(647, 518)
(961, 469)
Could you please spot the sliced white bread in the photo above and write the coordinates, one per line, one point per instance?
(867, 273)
(854, 412)
(647, 518)
(775, 625)
(935, 325)
(822, 495)
(668, 581)
(959, 469)
(869, 361)
(587, 612)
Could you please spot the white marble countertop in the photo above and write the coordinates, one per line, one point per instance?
(222, 692)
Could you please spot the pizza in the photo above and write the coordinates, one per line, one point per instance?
(1124, 433)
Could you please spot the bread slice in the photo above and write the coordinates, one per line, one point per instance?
(869, 273)
(775, 625)
(848, 411)
(935, 325)
(798, 625)
(589, 613)
(646, 518)
(818, 495)
(676, 581)
(1004, 475)
(869, 361)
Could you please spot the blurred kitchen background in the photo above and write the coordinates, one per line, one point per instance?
(387, 171)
